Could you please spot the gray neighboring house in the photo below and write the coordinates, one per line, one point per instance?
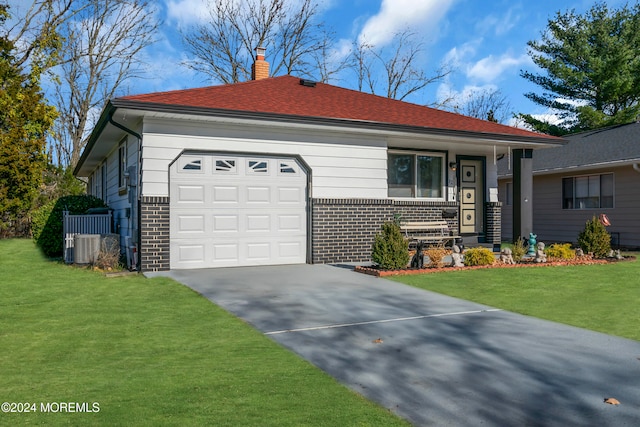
(597, 172)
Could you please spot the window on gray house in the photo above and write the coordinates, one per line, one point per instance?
(588, 192)
(414, 175)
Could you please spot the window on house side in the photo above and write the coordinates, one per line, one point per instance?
(103, 180)
(415, 175)
(122, 165)
(588, 192)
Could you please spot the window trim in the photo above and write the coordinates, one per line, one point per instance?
(418, 153)
(122, 167)
(103, 181)
(573, 195)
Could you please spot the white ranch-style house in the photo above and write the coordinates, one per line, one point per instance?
(285, 170)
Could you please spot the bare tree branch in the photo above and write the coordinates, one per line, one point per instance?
(223, 48)
(401, 71)
(35, 32)
(328, 62)
(100, 52)
(485, 104)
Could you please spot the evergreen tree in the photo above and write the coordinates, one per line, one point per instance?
(25, 120)
(592, 69)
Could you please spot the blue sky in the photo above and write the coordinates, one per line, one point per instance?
(485, 40)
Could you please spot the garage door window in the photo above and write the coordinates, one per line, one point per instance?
(195, 165)
(288, 168)
(226, 165)
(258, 167)
(190, 164)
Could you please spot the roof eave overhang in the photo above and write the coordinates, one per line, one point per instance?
(542, 141)
(103, 121)
(148, 107)
(572, 169)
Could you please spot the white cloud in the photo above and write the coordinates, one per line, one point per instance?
(499, 25)
(455, 99)
(488, 69)
(186, 12)
(397, 15)
(459, 54)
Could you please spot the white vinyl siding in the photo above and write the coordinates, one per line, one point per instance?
(342, 166)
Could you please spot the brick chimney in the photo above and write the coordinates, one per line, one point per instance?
(260, 68)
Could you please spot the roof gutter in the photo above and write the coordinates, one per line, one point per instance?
(105, 118)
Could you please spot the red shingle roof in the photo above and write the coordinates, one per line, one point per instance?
(285, 95)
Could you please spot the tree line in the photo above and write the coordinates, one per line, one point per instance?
(86, 51)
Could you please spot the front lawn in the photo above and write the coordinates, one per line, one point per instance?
(148, 352)
(603, 298)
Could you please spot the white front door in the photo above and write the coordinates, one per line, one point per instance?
(471, 196)
(237, 211)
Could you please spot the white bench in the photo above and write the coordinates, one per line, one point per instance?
(428, 232)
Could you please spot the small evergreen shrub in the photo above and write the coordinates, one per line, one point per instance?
(478, 256)
(518, 250)
(560, 251)
(595, 238)
(47, 221)
(390, 250)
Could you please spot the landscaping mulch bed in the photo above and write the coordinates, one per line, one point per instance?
(584, 260)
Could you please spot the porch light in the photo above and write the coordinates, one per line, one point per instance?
(453, 166)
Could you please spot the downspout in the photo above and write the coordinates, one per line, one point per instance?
(636, 167)
(138, 180)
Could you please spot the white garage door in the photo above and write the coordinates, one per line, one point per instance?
(237, 211)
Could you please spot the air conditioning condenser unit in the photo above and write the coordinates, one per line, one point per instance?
(86, 248)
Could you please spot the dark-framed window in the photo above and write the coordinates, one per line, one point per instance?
(103, 181)
(588, 192)
(416, 175)
(122, 165)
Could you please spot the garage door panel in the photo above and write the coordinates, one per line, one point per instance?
(190, 193)
(289, 250)
(225, 223)
(237, 211)
(290, 195)
(258, 223)
(225, 252)
(260, 251)
(191, 224)
(190, 253)
(290, 223)
(258, 195)
(227, 194)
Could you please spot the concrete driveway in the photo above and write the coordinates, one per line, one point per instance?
(432, 359)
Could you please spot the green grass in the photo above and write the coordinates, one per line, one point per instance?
(149, 352)
(604, 298)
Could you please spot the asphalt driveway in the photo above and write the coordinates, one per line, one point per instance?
(432, 359)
